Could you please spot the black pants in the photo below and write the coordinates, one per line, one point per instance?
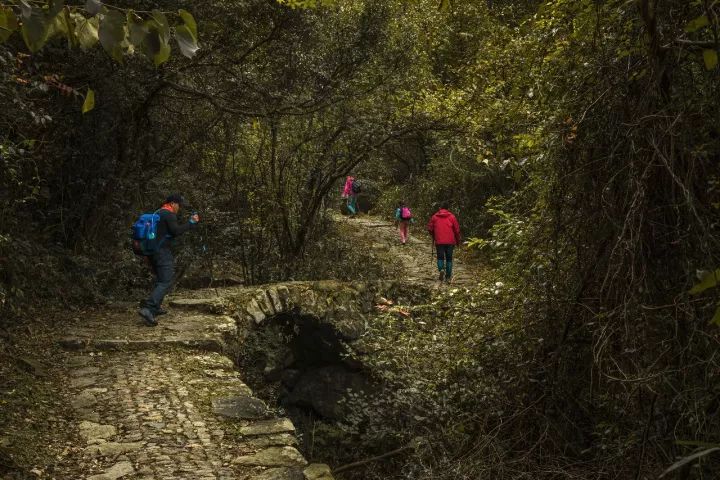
(445, 252)
(163, 267)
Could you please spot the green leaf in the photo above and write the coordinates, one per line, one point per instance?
(89, 102)
(8, 23)
(86, 30)
(162, 24)
(189, 22)
(711, 59)
(59, 26)
(697, 23)
(34, 30)
(186, 41)
(164, 53)
(156, 45)
(708, 280)
(136, 30)
(112, 33)
(444, 6)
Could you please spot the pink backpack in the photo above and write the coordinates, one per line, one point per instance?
(347, 190)
(405, 213)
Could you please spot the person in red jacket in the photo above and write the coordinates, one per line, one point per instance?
(445, 230)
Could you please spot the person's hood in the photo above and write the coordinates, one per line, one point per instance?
(443, 213)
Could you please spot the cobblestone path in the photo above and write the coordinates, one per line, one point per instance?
(160, 403)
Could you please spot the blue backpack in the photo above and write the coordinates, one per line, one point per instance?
(143, 234)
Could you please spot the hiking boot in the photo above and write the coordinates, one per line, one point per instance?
(442, 275)
(148, 317)
(162, 311)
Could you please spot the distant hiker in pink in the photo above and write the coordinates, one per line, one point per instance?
(350, 191)
(403, 218)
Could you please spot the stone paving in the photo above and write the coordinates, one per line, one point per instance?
(159, 403)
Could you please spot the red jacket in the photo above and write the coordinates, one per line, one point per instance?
(444, 228)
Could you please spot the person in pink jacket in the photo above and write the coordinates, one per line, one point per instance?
(445, 230)
(350, 192)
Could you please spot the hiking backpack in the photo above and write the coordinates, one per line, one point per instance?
(356, 186)
(405, 213)
(143, 235)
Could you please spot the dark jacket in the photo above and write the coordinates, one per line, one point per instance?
(444, 228)
(168, 227)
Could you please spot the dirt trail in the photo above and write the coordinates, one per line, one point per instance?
(417, 257)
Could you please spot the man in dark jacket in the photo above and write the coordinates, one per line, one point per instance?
(162, 262)
(445, 230)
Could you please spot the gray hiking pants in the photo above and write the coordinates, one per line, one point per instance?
(163, 267)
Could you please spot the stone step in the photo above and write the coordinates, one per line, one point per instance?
(207, 305)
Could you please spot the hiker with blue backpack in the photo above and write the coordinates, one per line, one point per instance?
(403, 218)
(152, 237)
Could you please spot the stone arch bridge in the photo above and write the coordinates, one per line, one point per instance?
(169, 402)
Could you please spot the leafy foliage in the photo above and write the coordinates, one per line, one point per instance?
(120, 32)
